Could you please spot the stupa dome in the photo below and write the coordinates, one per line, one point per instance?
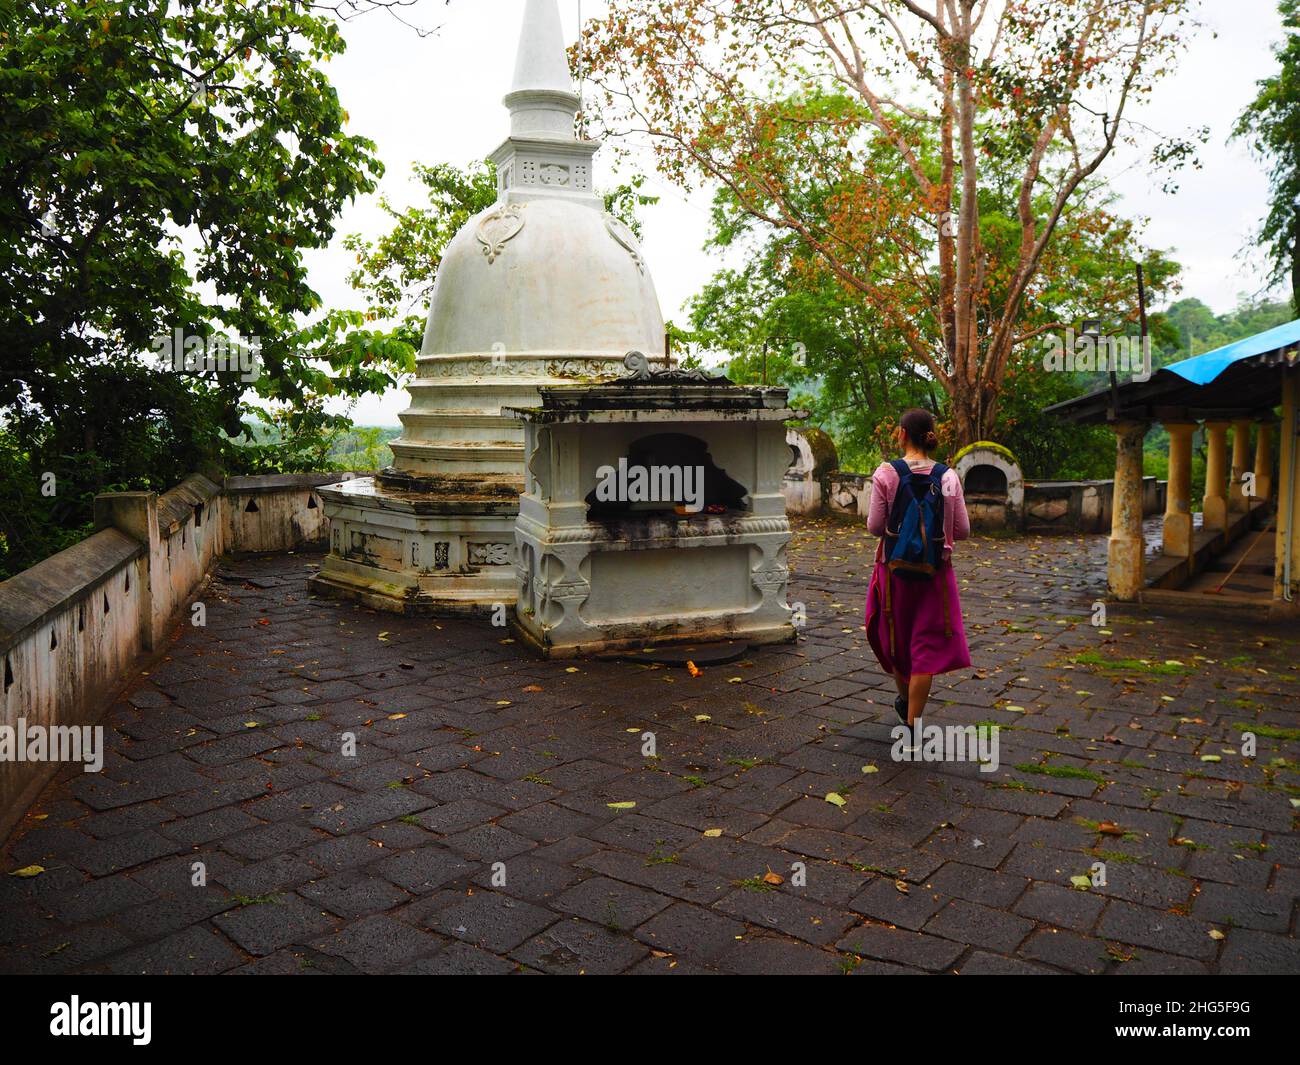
(544, 275)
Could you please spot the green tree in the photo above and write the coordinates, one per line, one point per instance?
(163, 166)
(1025, 100)
(855, 371)
(1271, 125)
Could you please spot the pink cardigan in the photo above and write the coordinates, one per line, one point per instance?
(884, 484)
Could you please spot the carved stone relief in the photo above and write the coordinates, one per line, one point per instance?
(621, 233)
(499, 227)
(489, 554)
(553, 174)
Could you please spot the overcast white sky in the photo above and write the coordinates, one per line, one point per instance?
(438, 99)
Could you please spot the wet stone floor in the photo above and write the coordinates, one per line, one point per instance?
(500, 813)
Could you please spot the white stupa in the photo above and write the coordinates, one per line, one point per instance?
(542, 288)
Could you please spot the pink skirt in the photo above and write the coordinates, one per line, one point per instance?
(920, 641)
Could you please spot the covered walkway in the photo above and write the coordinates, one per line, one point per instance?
(1242, 552)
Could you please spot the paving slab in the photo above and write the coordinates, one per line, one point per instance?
(498, 814)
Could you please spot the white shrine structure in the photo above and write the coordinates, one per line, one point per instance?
(541, 289)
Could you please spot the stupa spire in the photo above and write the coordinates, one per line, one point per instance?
(542, 62)
(541, 100)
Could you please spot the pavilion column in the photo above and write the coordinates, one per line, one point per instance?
(1237, 501)
(1214, 507)
(1288, 495)
(1264, 461)
(1177, 530)
(1126, 547)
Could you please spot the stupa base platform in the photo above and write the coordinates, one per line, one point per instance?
(636, 641)
(425, 548)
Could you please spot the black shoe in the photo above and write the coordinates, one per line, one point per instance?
(900, 708)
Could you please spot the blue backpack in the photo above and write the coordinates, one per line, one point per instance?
(914, 533)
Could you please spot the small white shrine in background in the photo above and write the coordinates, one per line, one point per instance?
(543, 288)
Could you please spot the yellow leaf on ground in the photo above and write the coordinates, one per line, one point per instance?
(836, 799)
(620, 805)
(713, 833)
(773, 878)
(28, 871)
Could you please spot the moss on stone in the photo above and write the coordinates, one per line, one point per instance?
(1003, 451)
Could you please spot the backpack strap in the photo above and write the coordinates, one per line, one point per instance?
(904, 472)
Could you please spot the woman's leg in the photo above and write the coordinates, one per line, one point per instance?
(901, 683)
(918, 691)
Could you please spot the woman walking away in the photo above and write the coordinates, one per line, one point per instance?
(913, 611)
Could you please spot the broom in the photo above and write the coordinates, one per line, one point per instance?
(1244, 555)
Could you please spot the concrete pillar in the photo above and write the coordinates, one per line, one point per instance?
(1237, 501)
(1288, 498)
(1126, 547)
(136, 514)
(1264, 461)
(1214, 507)
(1177, 529)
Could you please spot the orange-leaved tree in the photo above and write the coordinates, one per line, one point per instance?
(966, 94)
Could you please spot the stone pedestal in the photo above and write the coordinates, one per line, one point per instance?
(593, 579)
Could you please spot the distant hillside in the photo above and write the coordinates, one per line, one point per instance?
(363, 447)
(1201, 330)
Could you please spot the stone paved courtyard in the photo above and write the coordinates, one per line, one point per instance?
(1118, 745)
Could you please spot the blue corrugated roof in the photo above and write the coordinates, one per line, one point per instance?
(1202, 369)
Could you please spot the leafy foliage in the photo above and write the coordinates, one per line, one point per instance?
(940, 148)
(1271, 125)
(163, 166)
(845, 358)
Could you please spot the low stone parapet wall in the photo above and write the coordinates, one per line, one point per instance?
(74, 627)
(1049, 506)
(279, 512)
